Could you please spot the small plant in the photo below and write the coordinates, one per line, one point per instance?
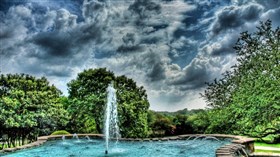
(60, 132)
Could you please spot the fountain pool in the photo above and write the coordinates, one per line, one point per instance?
(95, 148)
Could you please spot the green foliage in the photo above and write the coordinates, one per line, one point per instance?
(270, 139)
(177, 123)
(87, 99)
(60, 132)
(246, 100)
(183, 125)
(199, 121)
(29, 107)
(160, 124)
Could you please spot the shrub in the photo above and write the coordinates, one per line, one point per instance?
(60, 132)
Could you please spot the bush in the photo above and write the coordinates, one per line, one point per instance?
(60, 132)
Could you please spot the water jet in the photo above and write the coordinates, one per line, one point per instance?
(111, 129)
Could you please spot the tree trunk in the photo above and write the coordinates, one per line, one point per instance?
(22, 140)
(13, 142)
(9, 142)
(98, 128)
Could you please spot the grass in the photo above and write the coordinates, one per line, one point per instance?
(267, 151)
(6, 146)
(267, 145)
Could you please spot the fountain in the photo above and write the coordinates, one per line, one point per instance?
(76, 136)
(111, 129)
(63, 138)
(211, 137)
(88, 138)
(171, 148)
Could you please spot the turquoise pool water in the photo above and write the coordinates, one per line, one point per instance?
(96, 148)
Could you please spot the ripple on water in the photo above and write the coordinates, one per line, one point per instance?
(95, 148)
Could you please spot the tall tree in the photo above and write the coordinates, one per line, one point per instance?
(87, 95)
(29, 107)
(246, 99)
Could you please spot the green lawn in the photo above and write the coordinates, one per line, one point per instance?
(267, 151)
(267, 145)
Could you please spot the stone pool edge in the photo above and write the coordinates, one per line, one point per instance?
(229, 150)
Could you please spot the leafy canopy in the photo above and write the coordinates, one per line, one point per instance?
(29, 106)
(246, 99)
(87, 99)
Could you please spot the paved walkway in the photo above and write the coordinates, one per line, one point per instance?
(267, 148)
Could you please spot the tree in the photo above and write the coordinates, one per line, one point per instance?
(183, 126)
(87, 96)
(161, 125)
(133, 107)
(199, 121)
(29, 107)
(247, 98)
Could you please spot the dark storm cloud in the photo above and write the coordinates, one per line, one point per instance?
(130, 49)
(59, 73)
(64, 44)
(145, 8)
(129, 39)
(6, 34)
(157, 72)
(88, 33)
(49, 52)
(67, 37)
(269, 4)
(155, 67)
(151, 40)
(41, 67)
(90, 7)
(54, 43)
(235, 16)
(193, 76)
(172, 47)
(129, 46)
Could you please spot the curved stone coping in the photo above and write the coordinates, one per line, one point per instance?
(223, 150)
(231, 150)
(236, 139)
(240, 146)
(29, 145)
(42, 139)
(55, 137)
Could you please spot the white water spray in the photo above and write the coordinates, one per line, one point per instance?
(75, 136)
(111, 117)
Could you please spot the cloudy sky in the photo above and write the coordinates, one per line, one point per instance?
(171, 47)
